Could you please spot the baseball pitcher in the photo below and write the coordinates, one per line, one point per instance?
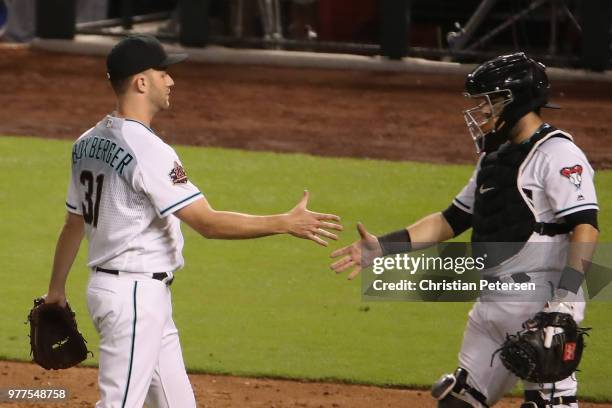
(127, 194)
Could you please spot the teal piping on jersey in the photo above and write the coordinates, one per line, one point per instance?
(70, 206)
(180, 202)
(577, 206)
(127, 387)
(135, 121)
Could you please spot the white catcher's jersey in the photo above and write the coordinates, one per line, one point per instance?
(556, 180)
(126, 183)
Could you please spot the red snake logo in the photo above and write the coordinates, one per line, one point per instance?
(573, 174)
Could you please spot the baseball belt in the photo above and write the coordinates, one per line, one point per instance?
(160, 276)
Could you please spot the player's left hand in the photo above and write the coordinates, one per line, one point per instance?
(306, 224)
(58, 297)
(560, 303)
(559, 307)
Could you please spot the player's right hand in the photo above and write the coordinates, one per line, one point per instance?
(306, 224)
(359, 254)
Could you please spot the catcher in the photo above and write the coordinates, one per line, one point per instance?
(533, 192)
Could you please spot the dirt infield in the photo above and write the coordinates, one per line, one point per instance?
(395, 116)
(231, 392)
(331, 113)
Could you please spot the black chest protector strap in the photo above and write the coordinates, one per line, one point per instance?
(500, 211)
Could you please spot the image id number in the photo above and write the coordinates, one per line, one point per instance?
(32, 394)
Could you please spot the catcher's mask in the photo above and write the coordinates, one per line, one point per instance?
(510, 87)
(483, 119)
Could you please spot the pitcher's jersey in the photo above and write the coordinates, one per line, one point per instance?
(126, 183)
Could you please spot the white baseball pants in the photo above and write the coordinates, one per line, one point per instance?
(140, 358)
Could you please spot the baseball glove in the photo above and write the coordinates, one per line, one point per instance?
(55, 341)
(526, 355)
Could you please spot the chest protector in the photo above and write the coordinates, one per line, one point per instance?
(501, 214)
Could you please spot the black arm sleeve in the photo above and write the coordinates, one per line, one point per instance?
(458, 219)
(582, 217)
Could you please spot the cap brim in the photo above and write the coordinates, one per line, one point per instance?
(172, 59)
(552, 106)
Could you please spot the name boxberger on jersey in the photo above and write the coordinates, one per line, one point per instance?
(104, 150)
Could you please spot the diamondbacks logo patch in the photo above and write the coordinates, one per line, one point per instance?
(573, 174)
(569, 352)
(178, 175)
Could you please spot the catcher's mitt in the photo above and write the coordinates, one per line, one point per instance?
(55, 340)
(526, 356)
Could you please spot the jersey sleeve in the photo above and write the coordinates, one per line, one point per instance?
(465, 199)
(72, 199)
(165, 181)
(568, 180)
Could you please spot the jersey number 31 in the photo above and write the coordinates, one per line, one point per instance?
(91, 210)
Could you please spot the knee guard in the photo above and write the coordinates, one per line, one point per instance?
(533, 399)
(453, 391)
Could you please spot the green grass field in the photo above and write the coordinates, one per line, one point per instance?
(271, 307)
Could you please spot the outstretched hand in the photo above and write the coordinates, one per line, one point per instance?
(314, 226)
(359, 254)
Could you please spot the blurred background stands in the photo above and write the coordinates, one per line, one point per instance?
(567, 33)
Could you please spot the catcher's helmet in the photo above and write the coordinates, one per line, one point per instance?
(512, 85)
